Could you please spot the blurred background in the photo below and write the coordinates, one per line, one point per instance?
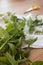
(19, 6)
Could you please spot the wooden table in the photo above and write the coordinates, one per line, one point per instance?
(19, 6)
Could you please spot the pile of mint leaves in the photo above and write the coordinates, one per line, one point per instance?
(12, 39)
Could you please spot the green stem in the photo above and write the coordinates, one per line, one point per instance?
(6, 42)
(24, 60)
(40, 24)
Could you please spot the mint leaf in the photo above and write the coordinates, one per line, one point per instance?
(37, 63)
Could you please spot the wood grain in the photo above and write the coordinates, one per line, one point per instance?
(36, 54)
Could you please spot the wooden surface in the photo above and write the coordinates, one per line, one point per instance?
(36, 54)
(19, 6)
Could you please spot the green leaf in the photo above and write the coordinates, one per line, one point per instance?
(37, 22)
(37, 63)
(4, 36)
(11, 59)
(17, 56)
(6, 20)
(1, 15)
(33, 23)
(30, 41)
(22, 24)
(41, 24)
(39, 32)
(12, 28)
(25, 52)
(14, 18)
(4, 48)
(30, 25)
(4, 60)
(9, 13)
(20, 43)
(24, 60)
(30, 22)
(1, 63)
(13, 48)
(31, 29)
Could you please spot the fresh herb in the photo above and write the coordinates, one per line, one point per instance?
(12, 39)
(32, 24)
(1, 15)
(39, 32)
(37, 63)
